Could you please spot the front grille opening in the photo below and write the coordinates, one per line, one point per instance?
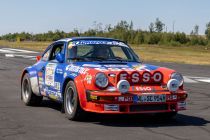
(123, 109)
(173, 107)
(148, 107)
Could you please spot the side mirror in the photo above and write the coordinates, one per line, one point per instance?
(59, 57)
(38, 58)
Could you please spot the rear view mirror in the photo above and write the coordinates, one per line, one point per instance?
(59, 57)
(38, 58)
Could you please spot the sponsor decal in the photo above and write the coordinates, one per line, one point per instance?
(116, 66)
(102, 69)
(146, 67)
(88, 78)
(140, 68)
(73, 74)
(110, 88)
(87, 42)
(41, 81)
(172, 97)
(64, 75)
(54, 94)
(136, 78)
(77, 69)
(32, 73)
(57, 86)
(111, 107)
(93, 97)
(125, 99)
(181, 105)
(50, 74)
(59, 71)
(143, 88)
(91, 65)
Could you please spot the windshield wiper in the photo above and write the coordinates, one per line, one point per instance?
(117, 59)
(98, 58)
(76, 58)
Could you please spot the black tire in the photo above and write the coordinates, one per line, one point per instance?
(72, 108)
(27, 95)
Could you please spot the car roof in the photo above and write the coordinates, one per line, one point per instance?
(89, 38)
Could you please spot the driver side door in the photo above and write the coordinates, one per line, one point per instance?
(52, 73)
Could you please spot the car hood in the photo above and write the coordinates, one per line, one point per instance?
(88, 71)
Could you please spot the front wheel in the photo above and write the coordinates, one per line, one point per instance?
(28, 97)
(72, 107)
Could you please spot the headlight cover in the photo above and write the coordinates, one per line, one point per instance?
(178, 77)
(101, 80)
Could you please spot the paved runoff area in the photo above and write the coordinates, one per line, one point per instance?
(20, 122)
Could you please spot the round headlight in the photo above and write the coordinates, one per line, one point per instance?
(178, 77)
(123, 86)
(173, 85)
(101, 80)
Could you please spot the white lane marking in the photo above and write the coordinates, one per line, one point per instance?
(6, 51)
(33, 59)
(16, 55)
(205, 80)
(188, 80)
(10, 50)
(9, 55)
(191, 79)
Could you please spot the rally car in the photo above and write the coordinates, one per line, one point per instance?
(101, 75)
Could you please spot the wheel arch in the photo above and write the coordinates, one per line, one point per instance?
(33, 79)
(21, 78)
(79, 86)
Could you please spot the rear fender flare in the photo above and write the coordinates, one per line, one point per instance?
(33, 80)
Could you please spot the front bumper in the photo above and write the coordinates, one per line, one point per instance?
(117, 103)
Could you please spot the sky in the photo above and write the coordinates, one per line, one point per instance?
(38, 16)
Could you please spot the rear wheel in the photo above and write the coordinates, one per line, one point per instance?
(28, 97)
(72, 107)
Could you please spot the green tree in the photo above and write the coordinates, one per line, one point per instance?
(159, 25)
(151, 27)
(195, 31)
(207, 31)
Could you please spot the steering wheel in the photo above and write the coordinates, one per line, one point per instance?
(117, 57)
(91, 52)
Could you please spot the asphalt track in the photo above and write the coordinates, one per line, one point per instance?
(20, 122)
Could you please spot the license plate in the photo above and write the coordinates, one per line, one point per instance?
(152, 98)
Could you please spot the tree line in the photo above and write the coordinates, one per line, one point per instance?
(123, 30)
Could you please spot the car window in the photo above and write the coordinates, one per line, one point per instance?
(100, 51)
(118, 52)
(57, 48)
(46, 55)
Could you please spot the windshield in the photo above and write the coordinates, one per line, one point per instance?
(100, 51)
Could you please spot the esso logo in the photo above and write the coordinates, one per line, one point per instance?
(157, 77)
(145, 77)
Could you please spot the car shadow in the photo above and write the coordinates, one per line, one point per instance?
(133, 120)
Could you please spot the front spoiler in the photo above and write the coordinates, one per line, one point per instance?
(113, 103)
